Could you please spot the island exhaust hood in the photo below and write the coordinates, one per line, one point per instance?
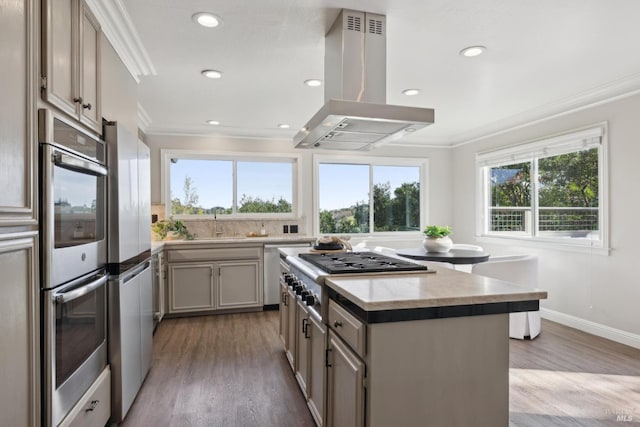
(355, 115)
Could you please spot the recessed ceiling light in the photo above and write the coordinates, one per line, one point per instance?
(411, 92)
(212, 74)
(283, 126)
(213, 122)
(473, 51)
(207, 19)
(313, 82)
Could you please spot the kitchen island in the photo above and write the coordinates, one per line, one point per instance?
(421, 349)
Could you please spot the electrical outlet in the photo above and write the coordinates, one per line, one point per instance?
(293, 228)
(285, 229)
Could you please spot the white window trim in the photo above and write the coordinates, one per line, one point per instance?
(423, 164)
(167, 154)
(591, 136)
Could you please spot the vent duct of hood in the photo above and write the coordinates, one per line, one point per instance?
(355, 115)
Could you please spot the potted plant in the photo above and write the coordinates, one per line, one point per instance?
(171, 230)
(437, 239)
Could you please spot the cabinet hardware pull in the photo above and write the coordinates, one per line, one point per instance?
(87, 106)
(284, 298)
(77, 100)
(326, 358)
(305, 327)
(92, 405)
(337, 324)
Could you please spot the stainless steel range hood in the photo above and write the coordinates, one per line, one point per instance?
(355, 115)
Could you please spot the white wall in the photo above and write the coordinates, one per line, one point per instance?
(591, 291)
(440, 186)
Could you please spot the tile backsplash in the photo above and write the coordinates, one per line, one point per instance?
(206, 227)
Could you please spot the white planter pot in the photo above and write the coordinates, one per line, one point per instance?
(437, 244)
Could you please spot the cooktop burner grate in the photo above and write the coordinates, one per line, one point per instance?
(359, 262)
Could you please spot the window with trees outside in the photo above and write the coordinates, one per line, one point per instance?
(551, 190)
(356, 197)
(200, 185)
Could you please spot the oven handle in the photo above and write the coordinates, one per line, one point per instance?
(65, 297)
(78, 165)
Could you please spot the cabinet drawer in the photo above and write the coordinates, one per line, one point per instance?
(186, 255)
(94, 408)
(348, 327)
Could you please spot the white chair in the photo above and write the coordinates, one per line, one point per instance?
(521, 270)
(465, 267)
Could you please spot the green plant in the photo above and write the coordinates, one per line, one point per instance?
(161, 228)
(436, 231)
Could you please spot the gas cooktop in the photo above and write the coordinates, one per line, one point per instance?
(359, 262)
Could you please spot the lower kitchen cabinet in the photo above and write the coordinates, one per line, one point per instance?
(302, 347)
(158, 275)
(19, 316)
(205, 280)
(283, 311)
(345, 385)
(191, 287)
(239, 284)
(94, 407)
(316, 384)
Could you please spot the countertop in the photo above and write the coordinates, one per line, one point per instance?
(444, 288)
(240, 240)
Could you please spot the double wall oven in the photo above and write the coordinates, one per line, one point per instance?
(73, 179)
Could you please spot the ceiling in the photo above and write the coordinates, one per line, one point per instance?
(543, 58)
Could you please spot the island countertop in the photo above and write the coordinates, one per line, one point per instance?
(444, 288)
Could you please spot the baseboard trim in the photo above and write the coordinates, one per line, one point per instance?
(598, 329)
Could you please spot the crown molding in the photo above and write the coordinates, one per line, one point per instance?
(143, 119)
(599, 95)
(117, 27)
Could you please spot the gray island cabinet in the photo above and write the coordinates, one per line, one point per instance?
(420, 349)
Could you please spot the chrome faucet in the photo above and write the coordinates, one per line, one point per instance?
(216, 233)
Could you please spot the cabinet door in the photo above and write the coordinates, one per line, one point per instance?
(19, 314)
(302, 346)
(239, 284)
(317, 378)
(191, 287)
(146, 320)
(89, 70)
(17, 141)
(290, 350)
(345, 384)
(284, 315)
(158, 286)
(60, 50)
(130, 340)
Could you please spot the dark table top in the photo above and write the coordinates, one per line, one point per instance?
(454, 256)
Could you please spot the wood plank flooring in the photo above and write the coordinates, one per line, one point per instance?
(230, 370)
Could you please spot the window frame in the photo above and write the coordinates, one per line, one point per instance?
(531, 151)
(422, 164)
(167, 154)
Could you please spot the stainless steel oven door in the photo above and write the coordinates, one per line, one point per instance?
(75, 344)
(73, 215)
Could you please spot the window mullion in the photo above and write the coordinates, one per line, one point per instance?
(371, 224)
(234, 196)
(535, 213)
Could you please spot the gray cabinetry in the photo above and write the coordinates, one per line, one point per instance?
(316, 385)
(19, 376)
(19, 286)
(205, 278)
(345, 368)
(71, 65)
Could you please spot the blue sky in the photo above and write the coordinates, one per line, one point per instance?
(342, 184)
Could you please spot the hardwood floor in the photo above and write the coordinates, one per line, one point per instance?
(230, 370)
(566, 377)
(224, 370)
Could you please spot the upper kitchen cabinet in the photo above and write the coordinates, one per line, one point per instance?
(17, 109)
(71, 60)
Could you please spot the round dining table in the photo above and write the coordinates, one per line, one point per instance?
(454, 256)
